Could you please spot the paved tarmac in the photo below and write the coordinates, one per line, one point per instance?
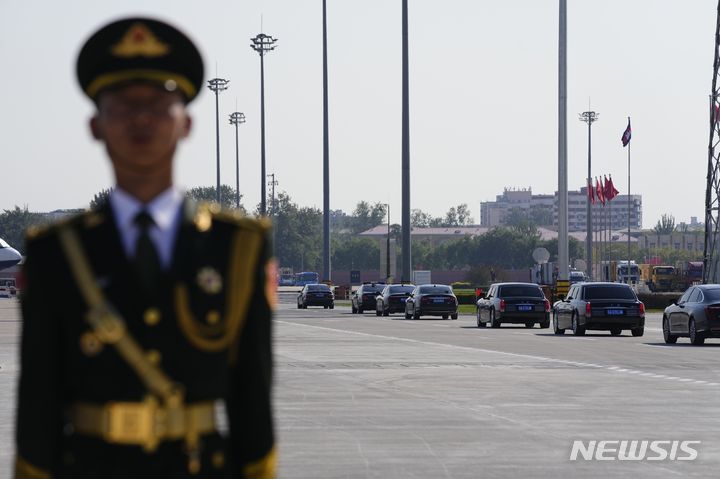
(359, 396)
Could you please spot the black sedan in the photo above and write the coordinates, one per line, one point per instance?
(695, 315)
(364, 297)
(599, 306)
(518, 303)
(392, 299)
(316, 295)
(432, 300)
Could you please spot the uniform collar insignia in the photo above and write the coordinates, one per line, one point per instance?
(209, 280)
(139, 41)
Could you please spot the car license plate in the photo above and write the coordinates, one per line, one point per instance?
(440, 300)
(525, 307)
(615, 312)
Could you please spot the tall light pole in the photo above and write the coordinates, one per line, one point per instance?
(217, 85)
(589, 117)
(326, 158)
(387, 253)
(406, 242)
(237, 118)
(262, 44)
(562, 282)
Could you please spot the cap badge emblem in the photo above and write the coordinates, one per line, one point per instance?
(139, 41)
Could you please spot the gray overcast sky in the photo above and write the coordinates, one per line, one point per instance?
(483, 99)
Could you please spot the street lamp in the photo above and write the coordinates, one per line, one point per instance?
(237, 118)
(217, 85)
(589, 117)
(262, 44)
(387, 261)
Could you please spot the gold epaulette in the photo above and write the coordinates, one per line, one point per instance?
(263, 468)
(207, 213)
(87, 220)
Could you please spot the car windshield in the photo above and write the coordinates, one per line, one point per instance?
(401, 289)
(609, 292)
(435, 290)
(318, 287)
(664, 271)
(520, 290)
(372, 288)
(712, 294)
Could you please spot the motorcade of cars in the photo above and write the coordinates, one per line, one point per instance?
(599, 306)
(515, 303)
(364, 297)
(392, 299)
(316, 295)
(431, 300)
(696, 315)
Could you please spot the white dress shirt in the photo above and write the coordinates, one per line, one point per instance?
(165, 211)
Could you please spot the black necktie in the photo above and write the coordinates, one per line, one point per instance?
(147, 262)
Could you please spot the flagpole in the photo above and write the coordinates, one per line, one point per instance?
(628, 239)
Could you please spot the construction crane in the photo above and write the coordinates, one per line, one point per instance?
(711, 271)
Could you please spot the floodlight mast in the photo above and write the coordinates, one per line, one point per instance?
(262, 44)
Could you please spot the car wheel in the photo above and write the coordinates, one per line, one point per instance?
(454, 316)
(529, 324)
(494, 322)
(616, 332)
(695, 338)
(557, 330)
(669, 338)
(576, 328)
(639, 331)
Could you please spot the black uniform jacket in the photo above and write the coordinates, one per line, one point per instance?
(198, 300)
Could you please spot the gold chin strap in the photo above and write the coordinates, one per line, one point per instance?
(111, 329)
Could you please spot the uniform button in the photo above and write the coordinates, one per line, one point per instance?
(218, 460)
(90, 344)
(151, 316)
(154, 357)
(213, 317)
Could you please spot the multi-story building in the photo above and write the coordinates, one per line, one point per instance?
(614, 215)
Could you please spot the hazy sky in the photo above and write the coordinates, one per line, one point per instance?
(483, 99)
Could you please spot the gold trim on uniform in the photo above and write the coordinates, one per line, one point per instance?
(212, 317)
(139, 41)
(152, 316)
(113, 78)
(93, 219)
(264, 468)
(218, 459)
(203, 218)
(154, 357)
(25, 470)
(209, 280)
(90, 344)
(243, 261)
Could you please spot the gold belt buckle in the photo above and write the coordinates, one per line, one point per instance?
(134, 423)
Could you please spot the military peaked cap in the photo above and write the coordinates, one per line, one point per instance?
(140, 50)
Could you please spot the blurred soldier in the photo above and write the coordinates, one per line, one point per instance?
(146, 342)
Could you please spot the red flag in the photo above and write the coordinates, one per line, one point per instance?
(610, 191)
(599, 191)
(590, 192)
(627, 134)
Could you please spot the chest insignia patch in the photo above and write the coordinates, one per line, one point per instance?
(209, 280)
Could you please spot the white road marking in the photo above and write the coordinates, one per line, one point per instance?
(616, 369)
